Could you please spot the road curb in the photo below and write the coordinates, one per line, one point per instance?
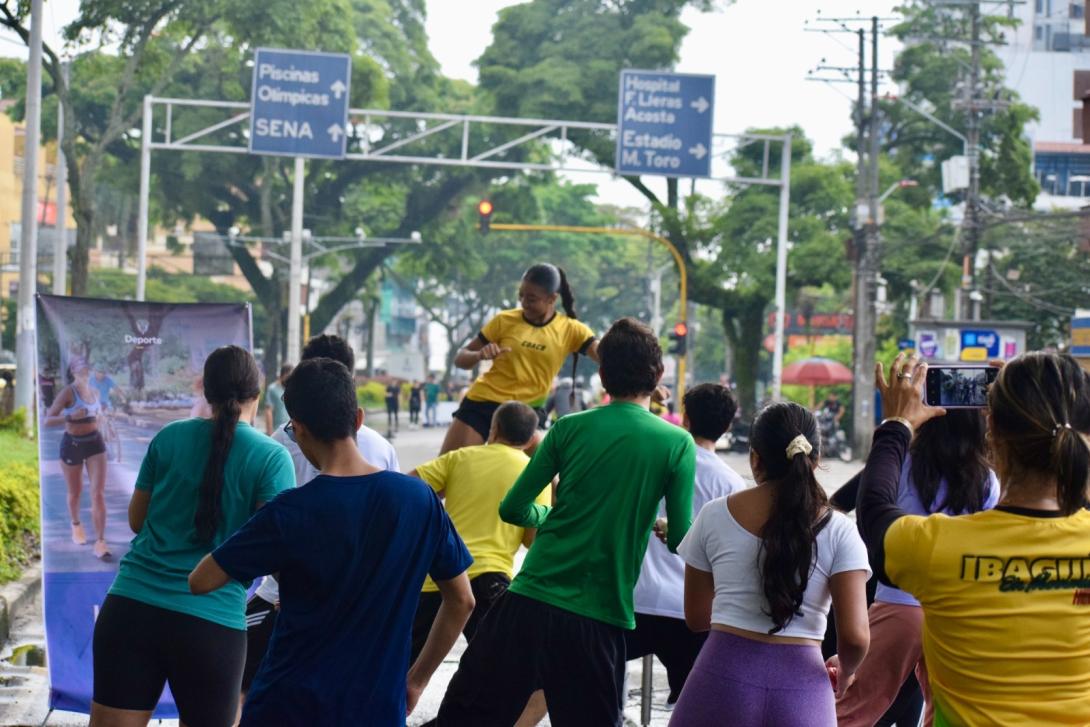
(17, 596)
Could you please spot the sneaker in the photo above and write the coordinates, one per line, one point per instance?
(79, 537)
(102, 551)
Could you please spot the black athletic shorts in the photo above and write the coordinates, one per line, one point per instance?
(138, 648)
(260, 620)
(77, 449)
(524, 645)
(671, 641)
(478, 414)
(487, 588)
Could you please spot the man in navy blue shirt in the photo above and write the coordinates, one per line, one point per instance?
(351, 549)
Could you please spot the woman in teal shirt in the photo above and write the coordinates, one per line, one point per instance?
(151, 630)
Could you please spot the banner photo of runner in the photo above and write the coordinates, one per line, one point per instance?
(111, 374)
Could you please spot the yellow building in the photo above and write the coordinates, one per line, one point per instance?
(12, 142)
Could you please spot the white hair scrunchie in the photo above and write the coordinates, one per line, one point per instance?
(799, 445)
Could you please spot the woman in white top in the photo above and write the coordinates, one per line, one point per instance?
(762, 566)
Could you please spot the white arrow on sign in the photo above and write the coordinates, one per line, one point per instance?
(699, 151)
(335, 133)
(338, 88)
(701, 105)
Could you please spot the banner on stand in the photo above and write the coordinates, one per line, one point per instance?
(127, 369)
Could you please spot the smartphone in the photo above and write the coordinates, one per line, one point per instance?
(959, 387)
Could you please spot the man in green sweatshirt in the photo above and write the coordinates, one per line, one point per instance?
(560, 627)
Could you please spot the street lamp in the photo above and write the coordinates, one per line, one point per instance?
(933, 119)
(902, 184)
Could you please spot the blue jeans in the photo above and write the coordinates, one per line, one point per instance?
(431, 414)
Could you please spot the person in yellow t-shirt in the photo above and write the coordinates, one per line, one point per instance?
(1005, 592)
(527, 347)
(472, 481)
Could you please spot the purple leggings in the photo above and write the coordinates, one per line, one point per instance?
(746, 683)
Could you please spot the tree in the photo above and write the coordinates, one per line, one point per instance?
(254, 194)
(1040, 275)
(465, 278)
(149, 41)
(932, 70)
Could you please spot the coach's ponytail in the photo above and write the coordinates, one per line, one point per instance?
(231, 379)
(554, 280)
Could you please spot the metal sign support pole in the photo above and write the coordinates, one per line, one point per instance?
(295, 276)
(25, 326)
(781, 268)
(142, 213)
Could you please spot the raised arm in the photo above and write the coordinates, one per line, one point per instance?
(877, 505)
(53, 416)
(477, 350)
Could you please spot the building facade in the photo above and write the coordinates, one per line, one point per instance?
(1047, 59)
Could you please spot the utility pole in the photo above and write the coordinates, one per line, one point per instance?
(970, 309)
(28, 243)
(866, 268)
(862, 326)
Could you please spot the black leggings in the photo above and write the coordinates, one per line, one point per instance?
(138, 648)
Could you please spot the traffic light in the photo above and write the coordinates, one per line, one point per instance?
(679, 338)
(484, 213)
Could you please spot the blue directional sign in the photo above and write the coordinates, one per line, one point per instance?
(664, 124)
(299, 103)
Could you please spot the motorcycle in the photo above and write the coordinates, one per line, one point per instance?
(834, 442)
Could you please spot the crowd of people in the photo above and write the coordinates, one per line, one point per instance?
(641, 540)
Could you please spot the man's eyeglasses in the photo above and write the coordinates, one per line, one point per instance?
(289, 429)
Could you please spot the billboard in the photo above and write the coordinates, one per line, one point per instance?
(111, 374)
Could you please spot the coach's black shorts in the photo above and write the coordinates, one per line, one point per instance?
(487, 588)
(524, 645)
(138, 648)
(260, 620)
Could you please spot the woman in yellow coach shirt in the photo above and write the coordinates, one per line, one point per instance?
(1005, 592)
(527, 346)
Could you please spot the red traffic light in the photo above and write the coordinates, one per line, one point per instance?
(484, 208)
(681, 329)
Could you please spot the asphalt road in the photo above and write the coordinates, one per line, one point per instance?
(24, 690)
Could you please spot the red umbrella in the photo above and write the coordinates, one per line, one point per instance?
(817, 371)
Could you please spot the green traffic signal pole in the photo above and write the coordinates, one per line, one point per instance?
(628, 232)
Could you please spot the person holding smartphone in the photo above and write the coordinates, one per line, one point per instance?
(1005, 593)
(945, 471)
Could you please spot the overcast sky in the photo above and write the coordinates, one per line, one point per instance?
(758, 50)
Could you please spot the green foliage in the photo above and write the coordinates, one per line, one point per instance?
(466, 277)
(1039, 275)
(19, 501)
(371, 395)
(559, 59)
(930, 70)
(164, 287)
(14, 422)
